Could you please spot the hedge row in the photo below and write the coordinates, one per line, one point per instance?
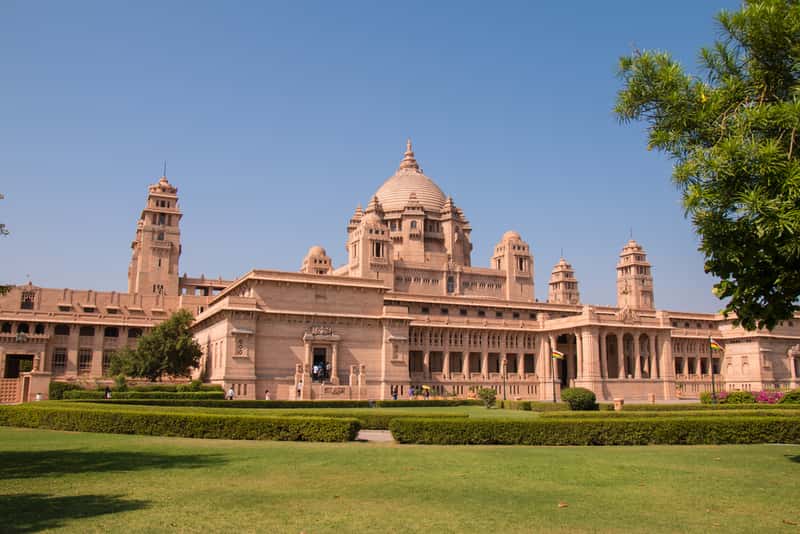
(165, 395)
(539, 406)
(369, 419)
(698, 406)
(205, 426)
(741, 411)
(217, 402)
(601, 431)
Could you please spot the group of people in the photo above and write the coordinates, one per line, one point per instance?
(320, 372)
(425, 391)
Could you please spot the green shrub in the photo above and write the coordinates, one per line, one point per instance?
(698, 406)
(579, 399)
(488, 396)
(183, 425)
(95, 394)
(56, 390)
(737, 411)
(792, 397)
(740, 397)
(120, 383)
(598, 431)
(516, 405)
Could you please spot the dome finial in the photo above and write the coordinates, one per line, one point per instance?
(408, 159)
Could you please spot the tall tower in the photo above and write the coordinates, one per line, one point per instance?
(563, 285)
(634, 278)
(157, 246)
(513, 255)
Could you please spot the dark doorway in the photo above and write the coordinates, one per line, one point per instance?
(562, 371)
(16, 364)
(319, 367)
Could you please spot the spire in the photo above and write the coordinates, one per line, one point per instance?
(408, 159)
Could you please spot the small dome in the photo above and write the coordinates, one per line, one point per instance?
(511, 234)
(394, 193)
(372, 218)
(316, 250)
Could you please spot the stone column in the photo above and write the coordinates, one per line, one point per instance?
(446, 365)
(698, 369)
(654, 370)
(637, 355)
(465, 364)
(72, 350)
(621, 353)
(426, 364)
(603, 355)
(667, 366)
(334, 378)
(792, 368)
(484, 364)
(521, 365)
(308, 354)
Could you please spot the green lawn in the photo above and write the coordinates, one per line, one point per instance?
(98, 482)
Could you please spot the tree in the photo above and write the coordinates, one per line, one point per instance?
(733, 136)
(168, 349)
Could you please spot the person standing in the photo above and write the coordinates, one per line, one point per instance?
(267, 395)
(299, 390)
(231, 393)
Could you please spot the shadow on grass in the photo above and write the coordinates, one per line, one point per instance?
(32, 512)
(795, 459)
(27, 464)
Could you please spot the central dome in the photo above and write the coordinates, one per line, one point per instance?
(395, 192)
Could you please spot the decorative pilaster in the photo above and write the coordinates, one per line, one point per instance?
(637, 355)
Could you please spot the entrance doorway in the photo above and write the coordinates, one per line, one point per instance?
(16, 364)
(319, 366)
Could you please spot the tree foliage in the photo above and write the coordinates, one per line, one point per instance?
(168, 349)
(733, 136)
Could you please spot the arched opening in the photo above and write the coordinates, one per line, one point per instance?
(612, 357)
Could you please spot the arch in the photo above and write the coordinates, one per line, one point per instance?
(111, 331)
(134, 332)
(62, 330)
(23, 328)
(612, 355)
(38, 329)
(86, 331)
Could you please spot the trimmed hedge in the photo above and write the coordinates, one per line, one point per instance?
(602, 431)
(56, 390)
(739, 411)
(367, 418)
(188, 395)
(218, 402)
(693, 406)
(792, 397)
(205, 426)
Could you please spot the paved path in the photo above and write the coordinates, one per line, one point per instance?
(375, 436)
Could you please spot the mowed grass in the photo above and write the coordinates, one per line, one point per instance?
(98, 483)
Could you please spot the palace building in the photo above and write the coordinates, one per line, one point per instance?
(408, 308)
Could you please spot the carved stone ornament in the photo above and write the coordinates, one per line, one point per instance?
(321, 331)
(627, 315)
(794, 351)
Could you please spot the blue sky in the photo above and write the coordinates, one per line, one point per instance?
(277, 119)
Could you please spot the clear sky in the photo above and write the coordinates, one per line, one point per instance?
(277, 119)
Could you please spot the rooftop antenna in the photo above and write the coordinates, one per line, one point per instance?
(562, 252)
(631, 233)
(165, 169)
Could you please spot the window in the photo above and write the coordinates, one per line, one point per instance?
(160, 236)
(86, 331)
(413, 225)
(444, 311)
(481, 313)
(39, 329)
(451, 284)
(26, 303)
(462, 312)
(23, 328)
(84, 361)
(377, 249)
(112, 311)
(162, 219)
(64, 307)
(134, 332)
(425, 310)
(515, 315)
(59, 360)
(498, 314)
(89, 309)
(6, 328)
(532, 315)
(62, 330)
(107, 361)
(111, 331)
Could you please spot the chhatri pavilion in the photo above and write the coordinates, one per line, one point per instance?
(407, 309)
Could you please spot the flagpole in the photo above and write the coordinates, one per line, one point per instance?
(711, 366)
